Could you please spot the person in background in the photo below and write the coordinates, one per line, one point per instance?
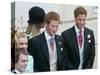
(36, 21)
(46, 48)
(21, 61)
(21, 41)
(79, 43)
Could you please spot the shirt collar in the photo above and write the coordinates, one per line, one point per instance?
(47, 35)
(77, 29)
(17, 71)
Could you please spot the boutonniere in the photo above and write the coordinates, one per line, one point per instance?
(61, 49)
(60, 45)
(88, 36)
(89, 41)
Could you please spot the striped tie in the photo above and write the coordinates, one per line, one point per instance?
(80, 38)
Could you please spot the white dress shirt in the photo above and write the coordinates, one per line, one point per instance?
(52, 53)
(82, 48)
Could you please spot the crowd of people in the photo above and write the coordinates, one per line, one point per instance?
(36, 51)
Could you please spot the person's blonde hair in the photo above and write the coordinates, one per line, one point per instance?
(19, 35)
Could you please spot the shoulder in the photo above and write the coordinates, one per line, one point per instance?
(38, 37)
(57, 36)
(87, 30)
(30, 57)
(68, 31)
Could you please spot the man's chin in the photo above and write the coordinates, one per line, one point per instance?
(23, 70)
(81, 27)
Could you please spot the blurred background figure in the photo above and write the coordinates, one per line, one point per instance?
(21, 61)
(21, 41)
(36, 21)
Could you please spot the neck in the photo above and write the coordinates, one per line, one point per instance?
(35, 30)
(49, 33)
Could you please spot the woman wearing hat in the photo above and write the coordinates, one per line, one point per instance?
(36, 21)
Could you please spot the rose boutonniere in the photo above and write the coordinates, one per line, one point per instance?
(60, 45)
(89, 41)
(88, 36)
(61, 49)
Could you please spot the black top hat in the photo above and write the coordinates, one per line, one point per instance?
(36, 15)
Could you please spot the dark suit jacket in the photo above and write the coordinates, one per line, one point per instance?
(39, 50)
(72, 51)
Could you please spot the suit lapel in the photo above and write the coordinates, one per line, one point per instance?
(58, 45)
(85, 41)
(45, 47)
(75, 43)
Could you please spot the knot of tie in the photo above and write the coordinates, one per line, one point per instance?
(80, 32)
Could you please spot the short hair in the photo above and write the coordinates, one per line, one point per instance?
(18, 52)
(79, 10)
(52, 16)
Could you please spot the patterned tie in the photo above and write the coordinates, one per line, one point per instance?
(80, 38)
(52, 43)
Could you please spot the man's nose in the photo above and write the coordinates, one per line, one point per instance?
(82, 22)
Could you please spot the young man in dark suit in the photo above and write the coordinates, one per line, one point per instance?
(46, 48)
(79, 43)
